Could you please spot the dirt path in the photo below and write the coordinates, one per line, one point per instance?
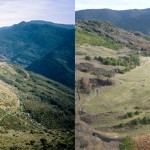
(138, 79)
(97, 135)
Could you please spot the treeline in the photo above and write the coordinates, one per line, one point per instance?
(138, 121)
(126, 61)
(129, 62)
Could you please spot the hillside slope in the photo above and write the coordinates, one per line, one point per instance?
(35, 112)
(27, 42)
(110, 36)
(112, 86)
(59, 64)
(132, 20)
(25, 94)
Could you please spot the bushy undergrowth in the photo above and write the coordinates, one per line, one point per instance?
(126, 144)
(85, 37)
(126, 61)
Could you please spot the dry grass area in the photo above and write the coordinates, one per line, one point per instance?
(8, 99)
(113, 102)
(107, 112)
(32, 140)
(23, 140)
(142, 142)
(108, 108)
(86, 141)
(92, 51)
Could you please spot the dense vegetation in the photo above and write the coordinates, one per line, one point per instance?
(59, 64)
(135, 122)
(126, 61)
(85, 37)
(126, 144)
(47, 102)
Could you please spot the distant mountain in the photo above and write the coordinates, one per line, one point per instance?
(67, 26)
(132, 20)
(28, 42)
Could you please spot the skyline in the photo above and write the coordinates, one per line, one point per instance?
(115, 4)
(16, 11)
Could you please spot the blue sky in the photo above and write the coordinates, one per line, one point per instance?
(15, 11)
(112, 4)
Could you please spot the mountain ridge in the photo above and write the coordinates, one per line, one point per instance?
(131, 20)
(27, 42)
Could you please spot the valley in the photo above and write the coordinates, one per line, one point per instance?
(112, 84)
(36, 112)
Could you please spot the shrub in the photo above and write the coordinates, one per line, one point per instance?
(136, 122)
(109, 75)
(32, 142)
(95, 58)
(85, 69)
(129, 115)
(145, 120)
(126, 144)
(121, 125)
(137, 107)
(137, 113)
(88, 58)
(129, 62)
(43, 140)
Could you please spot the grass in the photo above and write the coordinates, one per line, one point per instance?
(84, 37)
(38, 139)
(127, 102)
(126, 144)
(131, 91)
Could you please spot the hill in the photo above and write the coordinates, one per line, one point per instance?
(33, 104)
(25, 89)
(27, 42)
(131, 20)
(60, 60)
(100, 33)
(112, 84)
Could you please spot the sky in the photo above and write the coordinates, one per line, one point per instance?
(15, 11)
(112, 4)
